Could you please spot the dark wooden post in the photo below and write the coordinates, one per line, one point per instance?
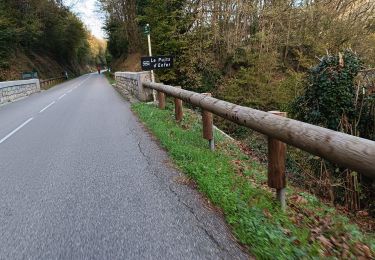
(276, 165)
(178, 108)
(161, 100)
(208, 131)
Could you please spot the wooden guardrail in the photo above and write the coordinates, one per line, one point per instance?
(46, 82)
(349, 151)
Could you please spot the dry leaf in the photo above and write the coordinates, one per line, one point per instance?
(286, 231)
(362, 213)
(362, 250)
(316, 230)
(298, 199)
(325, 242)
(267, 213)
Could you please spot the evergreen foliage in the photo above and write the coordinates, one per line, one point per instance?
(330, 91)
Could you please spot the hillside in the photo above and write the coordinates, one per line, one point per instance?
(45, 36)
(131, 62)
(46, 66)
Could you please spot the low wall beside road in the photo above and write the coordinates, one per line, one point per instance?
(12, 90)
(131, 83)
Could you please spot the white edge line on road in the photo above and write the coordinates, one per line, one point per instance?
(15, 130)
(62, 96)
(69, 91)
(53, 102)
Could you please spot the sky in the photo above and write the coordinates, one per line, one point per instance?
(89, 13)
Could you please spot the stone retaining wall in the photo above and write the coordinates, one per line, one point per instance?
(11, 90)
(130, 83)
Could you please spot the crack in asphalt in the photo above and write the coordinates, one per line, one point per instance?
(179, 199)
(191, 210)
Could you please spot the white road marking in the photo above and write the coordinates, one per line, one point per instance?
(41, 111)
(62, 96)
(15, 130)
(78, 85)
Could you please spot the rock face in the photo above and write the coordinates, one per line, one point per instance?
(12, 90)
(130, 84)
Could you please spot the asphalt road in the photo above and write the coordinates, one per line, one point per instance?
(81, 179)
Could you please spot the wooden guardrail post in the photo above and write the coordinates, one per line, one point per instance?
(345, 150)
(161, 100)
(208, 130)
(178, 108)
(276, 165)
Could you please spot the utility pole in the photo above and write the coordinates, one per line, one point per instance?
(147, 32)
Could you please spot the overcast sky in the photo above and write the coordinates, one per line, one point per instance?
(89, 13)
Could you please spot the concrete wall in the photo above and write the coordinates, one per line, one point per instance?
(11, 90)
(130, 83)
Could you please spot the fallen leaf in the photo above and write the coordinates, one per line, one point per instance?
(362, 213)
(267, 213)
(363, 250)
(286, 231)
(324, 241)
(334, 241)
(316, 230)
(296, 242)
(345, 254)
(298, 199)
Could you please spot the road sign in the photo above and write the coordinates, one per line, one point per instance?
(156, 62)
(147, 29)
(29, 75)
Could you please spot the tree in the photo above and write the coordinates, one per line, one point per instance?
(44, 27)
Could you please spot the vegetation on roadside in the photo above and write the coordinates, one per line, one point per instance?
(266, 55)
(333, 99)
(110, 77)
(236, 183)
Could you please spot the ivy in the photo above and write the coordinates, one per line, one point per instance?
(330, 93)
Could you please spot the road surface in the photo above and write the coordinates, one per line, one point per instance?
(81, 179)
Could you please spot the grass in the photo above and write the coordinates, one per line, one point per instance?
(236, 183)
(110, 77)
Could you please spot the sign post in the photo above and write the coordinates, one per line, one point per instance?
(147, 32)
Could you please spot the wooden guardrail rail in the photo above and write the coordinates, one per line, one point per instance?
(44, 82)
(349, 151)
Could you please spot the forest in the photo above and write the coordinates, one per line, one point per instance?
(47, 30)
(311, 58)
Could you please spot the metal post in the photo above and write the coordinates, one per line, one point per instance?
(211, 142)
(150, 54)
(280, 195)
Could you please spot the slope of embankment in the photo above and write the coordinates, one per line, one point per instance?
(44, 64)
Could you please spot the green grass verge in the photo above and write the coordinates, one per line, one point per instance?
(110, 77)
(237, 184)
